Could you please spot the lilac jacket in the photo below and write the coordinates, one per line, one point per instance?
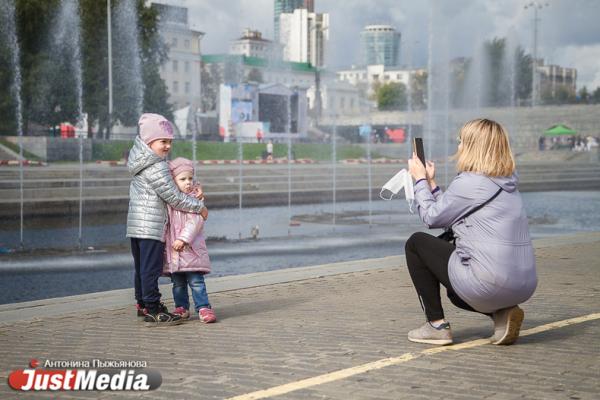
(493, 266)
(189, 228)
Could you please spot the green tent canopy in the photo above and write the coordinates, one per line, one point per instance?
(558, 130)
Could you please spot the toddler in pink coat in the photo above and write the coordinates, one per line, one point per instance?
(186, 257)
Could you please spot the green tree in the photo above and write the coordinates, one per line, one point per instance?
(233, 70)
(458, 74)
(391, 96)
(583, 95)
(211, 78)
(33, 23)
(8, 104)
(559, 94)
(508, 76)
(153, 53)
(523, 79)
(48, 78)
(498, 92)
(595, 96)
(418, 91)
(254, 75)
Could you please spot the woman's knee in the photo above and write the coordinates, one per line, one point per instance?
(415, 239)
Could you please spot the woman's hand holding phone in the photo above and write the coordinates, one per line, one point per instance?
(416, 168)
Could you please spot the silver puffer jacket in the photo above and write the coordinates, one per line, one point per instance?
(151, 188)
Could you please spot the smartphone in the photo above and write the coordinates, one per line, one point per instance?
(418, 148)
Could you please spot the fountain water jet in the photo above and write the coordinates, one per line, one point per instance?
(68, 39)
(8, 28)
(127, 57)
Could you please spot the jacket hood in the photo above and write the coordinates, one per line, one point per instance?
(141, 157)
(508, 183)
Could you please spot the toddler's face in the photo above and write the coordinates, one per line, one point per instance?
(184, 181)
(161, 147)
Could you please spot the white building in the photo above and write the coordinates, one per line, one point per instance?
(338, 98)
(181, 72)
(551, 76)
(252, 44)
(304, 36)
(367, 78)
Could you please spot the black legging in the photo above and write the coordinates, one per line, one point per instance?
(427, 257)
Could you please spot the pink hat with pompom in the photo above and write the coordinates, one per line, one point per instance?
(154, 127)
(179, 165)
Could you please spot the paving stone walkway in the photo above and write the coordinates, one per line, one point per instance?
(283, 333)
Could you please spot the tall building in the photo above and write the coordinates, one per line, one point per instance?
(252, 44)
(181, 72)
(380, 45)
(553, 76)
(304, 35)
(288, 6)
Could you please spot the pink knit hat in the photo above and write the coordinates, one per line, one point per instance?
(153, 127)
(179, 165)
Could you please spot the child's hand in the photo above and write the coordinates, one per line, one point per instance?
(179, 245)
(204, 213)
(198, 192)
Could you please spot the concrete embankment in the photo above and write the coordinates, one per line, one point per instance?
(54, 190)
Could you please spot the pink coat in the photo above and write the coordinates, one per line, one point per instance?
(189, 228)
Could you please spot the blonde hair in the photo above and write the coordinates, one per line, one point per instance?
(485, 149)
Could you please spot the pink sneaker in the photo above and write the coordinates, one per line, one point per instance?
(207, 315)
(182, 312)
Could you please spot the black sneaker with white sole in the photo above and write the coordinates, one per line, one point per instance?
(162, 319)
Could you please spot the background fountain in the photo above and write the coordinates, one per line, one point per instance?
(288, 130)
(438, 92)
(126, 58)
(9, 37)
(67, 49)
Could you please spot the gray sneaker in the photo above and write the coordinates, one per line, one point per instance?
(507, 324)
(429, 334)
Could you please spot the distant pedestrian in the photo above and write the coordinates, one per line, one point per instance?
(270, 150)
(572, 142)
(152, 187)
(491, 268)
(186, 256)
(590, 143)
(541, 143)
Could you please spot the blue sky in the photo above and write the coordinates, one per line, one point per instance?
(569, 30)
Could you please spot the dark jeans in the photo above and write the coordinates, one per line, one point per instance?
(195, 280)
(427, 257)
(148, 257)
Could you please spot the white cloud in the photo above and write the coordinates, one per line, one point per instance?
(587, 61)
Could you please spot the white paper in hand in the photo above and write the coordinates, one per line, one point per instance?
(392, 187)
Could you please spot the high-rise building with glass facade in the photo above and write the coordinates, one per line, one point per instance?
(288, 6)
(380, 45)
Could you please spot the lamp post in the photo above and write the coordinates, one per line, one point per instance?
(318, 101)
(535, 5)
(110, 91)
